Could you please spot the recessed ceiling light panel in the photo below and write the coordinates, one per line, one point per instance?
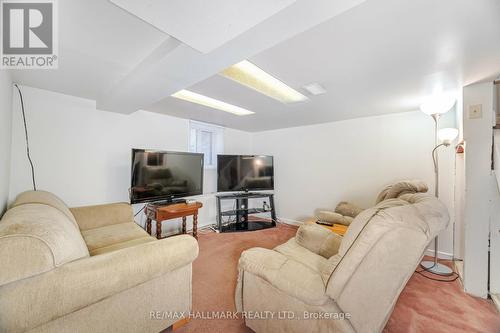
(255, 78)
(213, 103)
(315, 89)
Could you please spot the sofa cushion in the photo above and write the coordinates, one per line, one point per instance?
(292, 250)
(122, 245)
(318, 239)
(44, 198)
(403, 187)
(35, 238)
(110, 235)
(288, 275)
(91, 217)
(333, 217)
(348, 209)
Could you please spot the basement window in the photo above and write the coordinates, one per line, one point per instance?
(207, 139)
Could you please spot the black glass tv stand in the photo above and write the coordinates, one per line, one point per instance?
(241, 212)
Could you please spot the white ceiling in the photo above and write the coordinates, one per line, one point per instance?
(373, 57)
(98, 45)
(181, 66)
(208, 29)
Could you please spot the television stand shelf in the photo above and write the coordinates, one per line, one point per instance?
(242, 222)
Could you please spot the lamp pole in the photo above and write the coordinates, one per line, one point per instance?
(436, 117)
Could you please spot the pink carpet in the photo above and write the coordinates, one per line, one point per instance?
(424, 305)
(430, 306)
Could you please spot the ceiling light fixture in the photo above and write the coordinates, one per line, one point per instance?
(315, 88)
(255, 78)
(193, 97)
(447, 135)
(438, 104)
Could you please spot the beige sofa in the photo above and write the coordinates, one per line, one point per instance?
(88, 269)
(344, 284)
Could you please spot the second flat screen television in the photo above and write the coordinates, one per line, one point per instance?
(244, 173)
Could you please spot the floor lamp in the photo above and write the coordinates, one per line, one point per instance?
(443, 138)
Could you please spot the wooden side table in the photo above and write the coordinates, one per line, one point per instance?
(168, 212)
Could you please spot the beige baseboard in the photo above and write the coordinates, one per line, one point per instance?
(441, 255)
(496, 300)
(290, 221)
(459, 268)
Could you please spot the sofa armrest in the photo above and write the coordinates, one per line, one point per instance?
(285, 274)
(333, 217)
(318, 240)
(90, 217)
(348, 209)
(27, 303)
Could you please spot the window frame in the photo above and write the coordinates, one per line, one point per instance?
(217, 140)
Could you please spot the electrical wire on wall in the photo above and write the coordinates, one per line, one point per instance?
(26, 137)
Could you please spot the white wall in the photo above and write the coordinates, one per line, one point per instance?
(478, 180)
(83, 154)
(317, 166)
(459, 181)
(497, 102)
(495, 222)
(5, 136)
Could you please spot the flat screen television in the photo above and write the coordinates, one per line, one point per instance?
(244, 173)
(165, 175)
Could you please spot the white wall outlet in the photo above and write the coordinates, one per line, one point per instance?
(476, 111)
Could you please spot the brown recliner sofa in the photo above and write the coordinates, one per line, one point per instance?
(88, 269)
(341, 284)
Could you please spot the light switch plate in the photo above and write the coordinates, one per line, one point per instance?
(476, 111)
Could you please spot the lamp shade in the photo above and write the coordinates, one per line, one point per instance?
(447, 135)
(438, 104)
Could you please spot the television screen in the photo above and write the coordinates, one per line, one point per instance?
(160, 175)
(244, 173)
